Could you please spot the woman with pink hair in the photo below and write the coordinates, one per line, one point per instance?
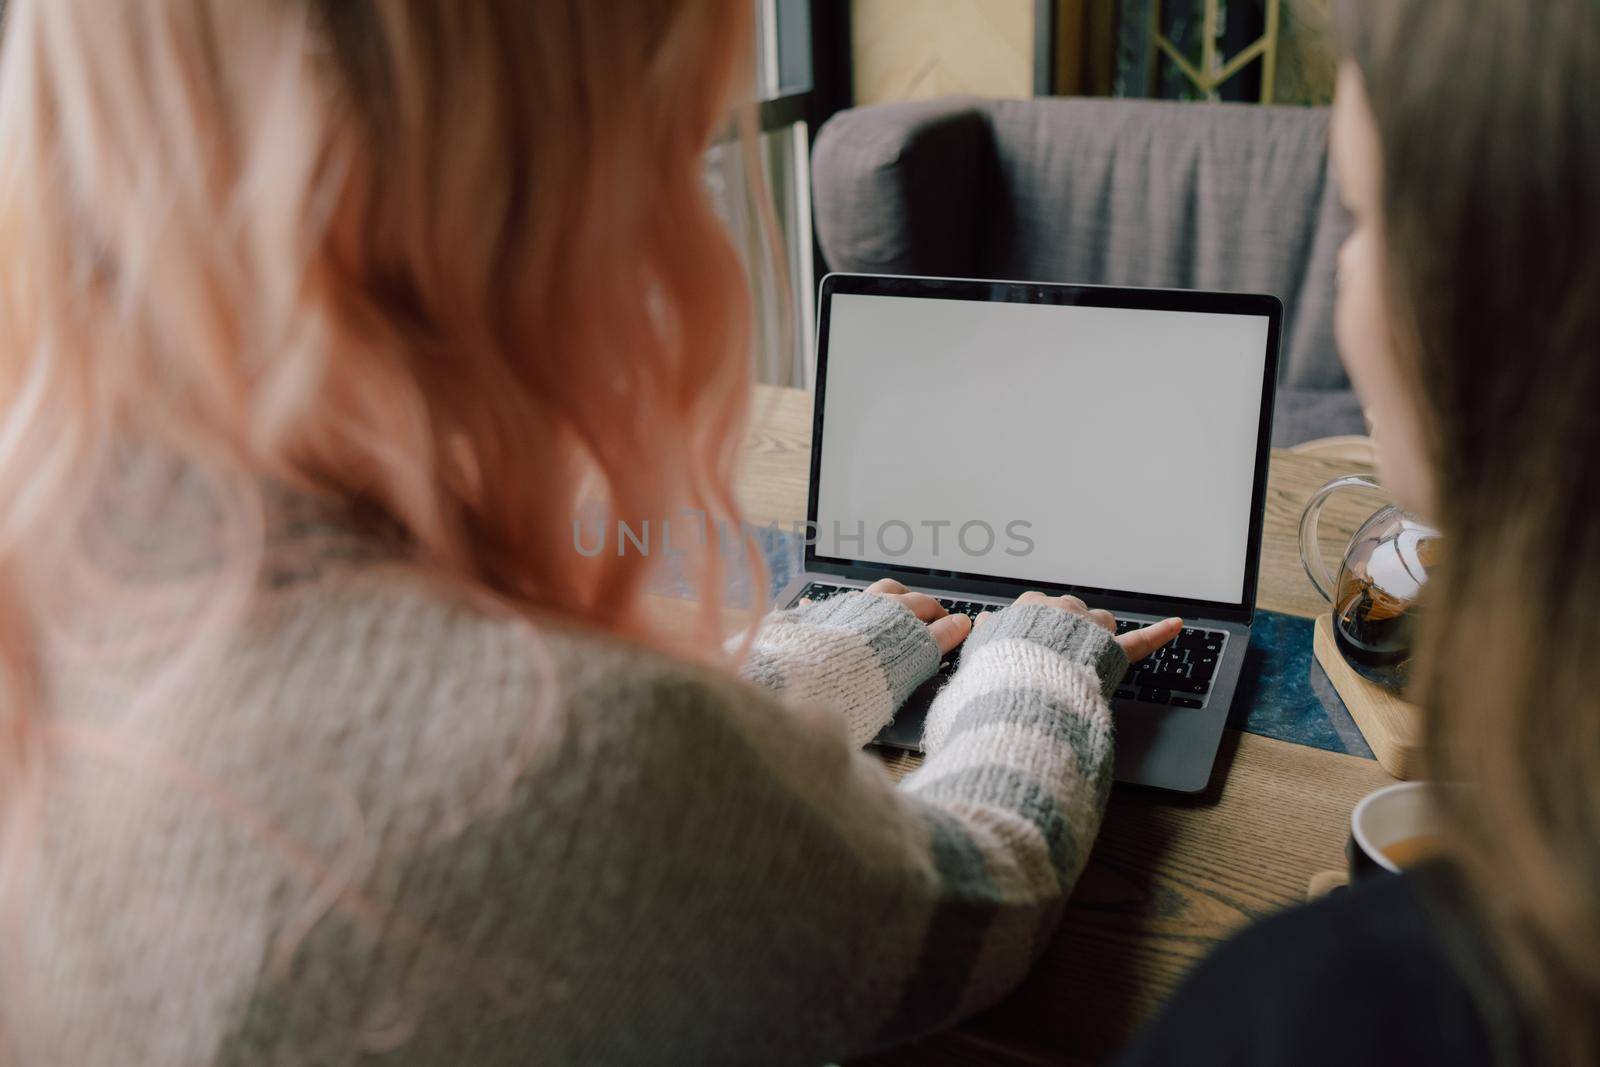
(320, 322)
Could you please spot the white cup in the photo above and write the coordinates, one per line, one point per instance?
(1392, 814)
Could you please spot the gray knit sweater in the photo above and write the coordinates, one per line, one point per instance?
(379, 825)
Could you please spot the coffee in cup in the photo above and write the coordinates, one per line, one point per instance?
(1397, 827)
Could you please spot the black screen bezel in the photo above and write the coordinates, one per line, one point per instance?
(1254, 304)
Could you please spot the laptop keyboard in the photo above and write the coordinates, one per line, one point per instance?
(1178, 673)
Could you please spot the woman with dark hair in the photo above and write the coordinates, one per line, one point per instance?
(1466, 136)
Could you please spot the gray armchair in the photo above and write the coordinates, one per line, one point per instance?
(1119, 192)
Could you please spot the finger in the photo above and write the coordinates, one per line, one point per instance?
(886, 585)
(983, 617)
(1102, 618)
(922, 605)
(949, 632)
(804, 601)
(1033, 596)
(1138, 644)
(1072, 604)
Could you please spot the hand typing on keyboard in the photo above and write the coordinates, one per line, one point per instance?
(949, 628)
(1136, 643)
(951, 621)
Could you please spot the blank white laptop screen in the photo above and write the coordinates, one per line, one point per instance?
(1109, 448)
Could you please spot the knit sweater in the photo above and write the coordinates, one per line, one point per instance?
(375, 823)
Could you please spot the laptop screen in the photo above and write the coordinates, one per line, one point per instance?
(1109, 448)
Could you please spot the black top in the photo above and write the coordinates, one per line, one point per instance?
(1378, 974)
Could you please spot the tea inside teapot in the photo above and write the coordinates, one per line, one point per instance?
(1380, 577)
(1379, 581)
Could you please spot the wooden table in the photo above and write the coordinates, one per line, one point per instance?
(1170, 876)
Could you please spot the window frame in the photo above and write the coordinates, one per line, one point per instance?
(804, 78)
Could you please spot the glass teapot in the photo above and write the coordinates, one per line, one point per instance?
(1383, 571)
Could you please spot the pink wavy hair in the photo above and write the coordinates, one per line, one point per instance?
(455, 262)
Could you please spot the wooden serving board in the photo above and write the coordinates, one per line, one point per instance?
(1391, 726)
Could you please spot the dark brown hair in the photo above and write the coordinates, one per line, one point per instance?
(1488, 116)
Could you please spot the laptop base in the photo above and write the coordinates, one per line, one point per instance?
(1160, 746)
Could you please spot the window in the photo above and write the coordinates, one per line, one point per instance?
(784, 80)
(790, 109)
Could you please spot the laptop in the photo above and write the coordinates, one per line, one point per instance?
(977, 439)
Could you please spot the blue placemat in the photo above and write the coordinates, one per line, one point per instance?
(1283, 691)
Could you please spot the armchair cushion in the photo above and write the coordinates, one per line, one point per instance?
(901, 185)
